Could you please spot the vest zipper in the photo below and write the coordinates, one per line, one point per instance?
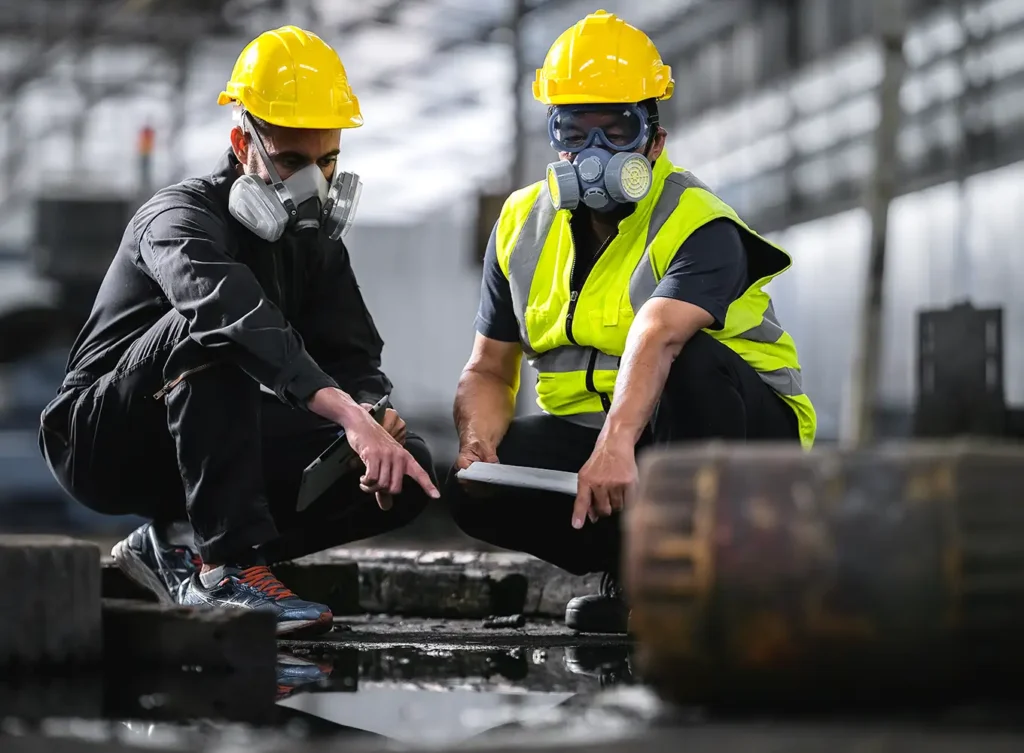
(606, 402)
(574, 296)
(574, 292)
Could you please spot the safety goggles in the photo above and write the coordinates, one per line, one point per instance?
(620, 128)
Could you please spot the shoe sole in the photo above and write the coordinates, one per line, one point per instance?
(294, 629)
(138, 573)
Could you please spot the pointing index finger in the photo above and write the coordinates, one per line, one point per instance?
(421, 477)
(582, 506)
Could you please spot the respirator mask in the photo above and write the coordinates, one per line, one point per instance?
(304, 203)
(605, 171)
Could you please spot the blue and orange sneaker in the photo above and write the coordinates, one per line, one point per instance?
(294, 674)
(150, 561)
(255, 587)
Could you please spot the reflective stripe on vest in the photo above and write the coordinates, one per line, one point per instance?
(522, 266)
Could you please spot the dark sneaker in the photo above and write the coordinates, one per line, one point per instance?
(257, 588)
(604, 612)
(155, 564)
(294, 673)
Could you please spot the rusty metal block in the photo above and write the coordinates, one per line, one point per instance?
(767, 574)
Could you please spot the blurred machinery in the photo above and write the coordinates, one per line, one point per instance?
(75, 239)
(886, 577)
(960, 374)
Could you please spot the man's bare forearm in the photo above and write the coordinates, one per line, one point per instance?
(484, 407)
(642, 376)
(655, 339)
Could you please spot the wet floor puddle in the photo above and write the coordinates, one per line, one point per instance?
(423, 695)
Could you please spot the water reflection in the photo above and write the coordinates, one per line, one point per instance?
(423, 695)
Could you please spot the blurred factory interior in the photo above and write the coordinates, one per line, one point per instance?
(776, 108)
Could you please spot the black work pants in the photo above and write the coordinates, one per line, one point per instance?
(215, 449)
(710, 393)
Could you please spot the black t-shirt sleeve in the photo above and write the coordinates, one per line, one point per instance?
(709, 270)
(496, 318)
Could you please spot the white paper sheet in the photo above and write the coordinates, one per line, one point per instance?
(520, 477)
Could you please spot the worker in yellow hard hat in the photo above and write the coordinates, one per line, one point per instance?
(638, 296)
(227, 345)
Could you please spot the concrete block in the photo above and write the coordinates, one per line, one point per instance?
(68, 695)
(764, 574)
(153, 635)
(244, 696)
(461, 583)
(323, 580)
(50, 603)
(116, 585)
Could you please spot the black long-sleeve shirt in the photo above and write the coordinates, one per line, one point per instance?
(289, 313)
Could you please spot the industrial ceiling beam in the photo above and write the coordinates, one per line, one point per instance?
(485, 34)
(698, 25)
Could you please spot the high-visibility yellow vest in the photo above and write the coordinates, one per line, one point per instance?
(576, 339)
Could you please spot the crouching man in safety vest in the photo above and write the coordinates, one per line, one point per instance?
(637, 295)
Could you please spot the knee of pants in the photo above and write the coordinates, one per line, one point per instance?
(420, 452)
(407, 506)
(468, 512)
(413, 500)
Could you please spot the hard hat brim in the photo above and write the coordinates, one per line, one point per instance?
(330, 123)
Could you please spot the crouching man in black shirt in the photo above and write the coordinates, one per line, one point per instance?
(227, 344)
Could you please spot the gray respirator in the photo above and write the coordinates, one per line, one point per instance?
(304, 203)
(601, 179)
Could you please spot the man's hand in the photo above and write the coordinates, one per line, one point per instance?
(606, 482)
(387, 462)
(393, 424)
(475, 452)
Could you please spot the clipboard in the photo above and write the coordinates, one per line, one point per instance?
(521, 477)
(332, 463)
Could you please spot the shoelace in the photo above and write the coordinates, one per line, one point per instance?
(195, 559)
(264, 581)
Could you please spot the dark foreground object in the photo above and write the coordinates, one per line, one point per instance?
(50, 602)
(154, 635)
(712, 738)
(769, 576)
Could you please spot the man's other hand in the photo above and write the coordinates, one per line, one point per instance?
(393, 424)
(606, 483)
(475, 452)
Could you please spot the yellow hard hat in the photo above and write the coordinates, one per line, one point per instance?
(292, 78)
(602, 59)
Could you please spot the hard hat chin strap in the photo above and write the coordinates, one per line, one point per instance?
(249, 128)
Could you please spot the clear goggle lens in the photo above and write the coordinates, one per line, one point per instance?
(620, 128)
